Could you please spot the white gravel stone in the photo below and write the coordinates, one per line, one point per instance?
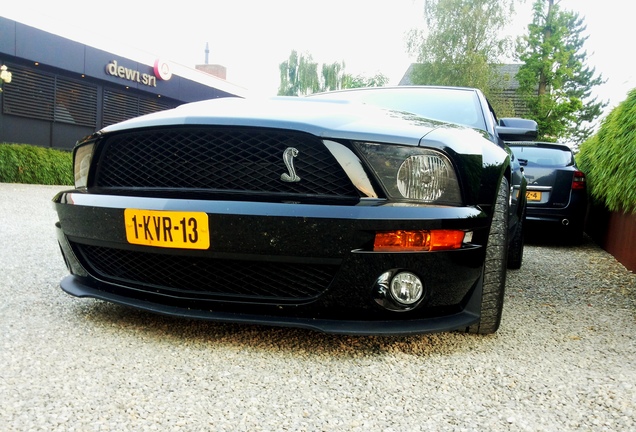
(563, 360)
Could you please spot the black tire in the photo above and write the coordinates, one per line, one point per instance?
(515, 248)
(495, 268)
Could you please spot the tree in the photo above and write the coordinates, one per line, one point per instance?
(350, 81)
(299, 76)
(554, 80)
(462, 45)
(332, 76)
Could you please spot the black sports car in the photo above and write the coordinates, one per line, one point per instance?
(319, 213)
(557, 192)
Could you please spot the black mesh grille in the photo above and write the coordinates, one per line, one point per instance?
(222, 159)
(205, 278)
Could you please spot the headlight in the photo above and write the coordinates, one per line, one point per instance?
(413, 173)
(81, 165)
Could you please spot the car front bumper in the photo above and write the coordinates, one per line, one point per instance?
(282, 245)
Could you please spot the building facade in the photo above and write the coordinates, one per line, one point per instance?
(62, 90)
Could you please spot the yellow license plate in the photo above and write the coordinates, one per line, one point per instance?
(170, 229)
(533, 195)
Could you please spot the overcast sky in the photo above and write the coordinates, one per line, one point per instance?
(251, 37)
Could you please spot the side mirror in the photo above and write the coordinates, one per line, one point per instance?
(517, 129)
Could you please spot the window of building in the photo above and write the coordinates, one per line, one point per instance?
(31, 94)
(75, 103)
(119, 106)
(49, 97)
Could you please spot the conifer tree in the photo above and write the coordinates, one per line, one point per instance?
(554, 80)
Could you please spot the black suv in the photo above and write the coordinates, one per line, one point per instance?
(556, 192)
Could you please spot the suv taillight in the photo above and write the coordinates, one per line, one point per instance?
(578, 181)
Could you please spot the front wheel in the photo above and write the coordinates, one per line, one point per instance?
(495, 265)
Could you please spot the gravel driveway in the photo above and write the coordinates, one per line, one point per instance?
(563, 360)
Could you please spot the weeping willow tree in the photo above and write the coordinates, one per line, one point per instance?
(299, 76)
(463, 45)
(332, 76)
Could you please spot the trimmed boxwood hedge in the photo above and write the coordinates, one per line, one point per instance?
(22, 163)
(609, 159)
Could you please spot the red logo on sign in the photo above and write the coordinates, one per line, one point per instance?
(162, 70)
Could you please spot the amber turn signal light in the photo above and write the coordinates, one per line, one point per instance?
(419, 240)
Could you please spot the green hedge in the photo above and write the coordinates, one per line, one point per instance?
(21, 163)
(609, 158)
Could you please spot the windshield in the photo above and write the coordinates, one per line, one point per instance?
(460, 106)
(543, 156)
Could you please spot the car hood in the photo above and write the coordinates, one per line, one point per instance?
(323, 118)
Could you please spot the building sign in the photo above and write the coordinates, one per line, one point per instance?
(161, 70)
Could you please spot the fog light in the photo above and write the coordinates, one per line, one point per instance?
(406, 288)
(399, 291)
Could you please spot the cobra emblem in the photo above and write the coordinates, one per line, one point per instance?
(288, 157)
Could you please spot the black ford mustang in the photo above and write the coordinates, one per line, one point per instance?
(396, 213)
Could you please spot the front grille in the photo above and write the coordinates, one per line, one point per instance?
(207, 278)
(221, 159)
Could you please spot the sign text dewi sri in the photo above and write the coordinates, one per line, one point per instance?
(114, 69)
